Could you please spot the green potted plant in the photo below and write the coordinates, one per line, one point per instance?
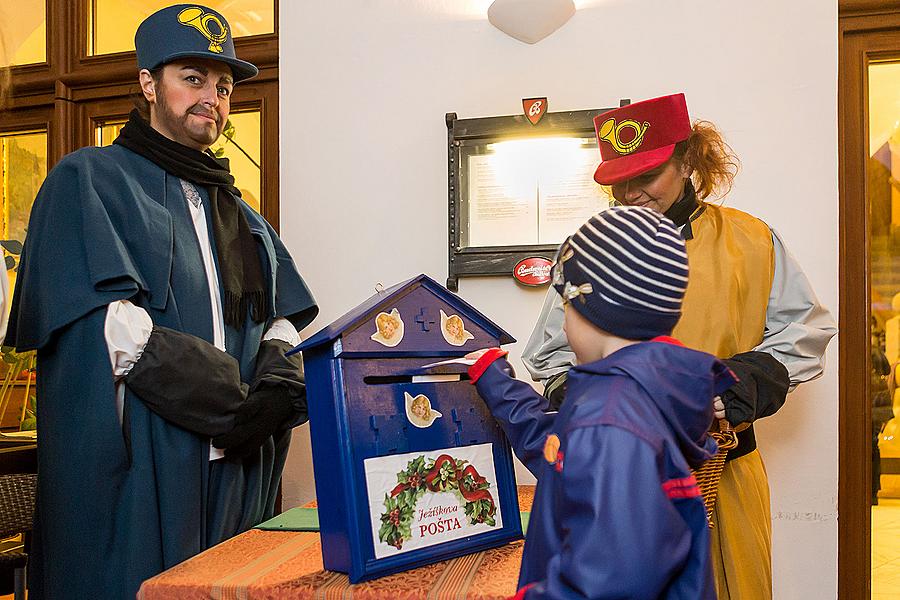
(20, 366)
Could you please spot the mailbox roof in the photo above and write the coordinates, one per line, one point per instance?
(364, 312)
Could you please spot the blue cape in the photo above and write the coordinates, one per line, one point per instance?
(118, 503)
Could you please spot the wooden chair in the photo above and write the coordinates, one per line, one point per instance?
(16, 516)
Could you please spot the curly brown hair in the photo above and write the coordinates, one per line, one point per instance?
(714, 163)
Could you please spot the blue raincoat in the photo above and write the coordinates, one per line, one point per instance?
(617, 512)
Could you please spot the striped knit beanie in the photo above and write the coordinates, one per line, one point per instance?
(625, 270)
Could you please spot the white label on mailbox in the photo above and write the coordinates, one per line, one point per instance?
(421, 499)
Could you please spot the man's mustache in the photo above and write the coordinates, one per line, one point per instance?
(198, 110)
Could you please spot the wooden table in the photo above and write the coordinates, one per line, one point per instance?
(18, 457)
(288, 564)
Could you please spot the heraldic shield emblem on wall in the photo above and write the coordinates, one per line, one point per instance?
(535, 109)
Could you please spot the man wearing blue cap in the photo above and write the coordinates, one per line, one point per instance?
(161, 306)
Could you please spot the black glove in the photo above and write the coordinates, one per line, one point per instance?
(275, 370)
(762, 388)
(555, 390)
(264, 413)
(277, 401)
(188, 381)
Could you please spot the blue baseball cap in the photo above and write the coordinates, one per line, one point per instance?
(185, 31)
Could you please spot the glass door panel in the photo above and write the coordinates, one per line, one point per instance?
(23, 168)
(107, 131)
(240, 143)
(883, 196)
(23, 32)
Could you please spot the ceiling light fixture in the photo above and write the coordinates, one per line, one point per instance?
(530, 21)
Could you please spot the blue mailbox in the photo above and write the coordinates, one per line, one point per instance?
(410, 466)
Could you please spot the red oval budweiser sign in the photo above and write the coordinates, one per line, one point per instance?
(534, 270)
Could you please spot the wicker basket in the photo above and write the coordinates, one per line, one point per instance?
(16, 503)
(710, 472)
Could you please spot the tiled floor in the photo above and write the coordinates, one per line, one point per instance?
(886, 550)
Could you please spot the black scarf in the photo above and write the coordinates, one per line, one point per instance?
(239, 266)
(685, 210)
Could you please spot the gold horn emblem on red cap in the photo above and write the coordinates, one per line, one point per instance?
(612, 133)
(195, 17)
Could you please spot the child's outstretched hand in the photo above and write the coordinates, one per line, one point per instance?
(475, 355)
(482, 359)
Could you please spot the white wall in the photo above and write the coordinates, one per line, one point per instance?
(364, 88)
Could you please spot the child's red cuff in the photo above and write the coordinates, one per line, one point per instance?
(483, 362)
(520, 594)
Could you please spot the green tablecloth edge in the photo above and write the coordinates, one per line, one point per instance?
(307, 519)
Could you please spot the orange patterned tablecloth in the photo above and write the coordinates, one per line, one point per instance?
(288, 564)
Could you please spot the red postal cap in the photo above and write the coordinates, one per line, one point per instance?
(639, 137)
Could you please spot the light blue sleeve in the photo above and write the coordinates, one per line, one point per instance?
(798, 327)
(547, 351)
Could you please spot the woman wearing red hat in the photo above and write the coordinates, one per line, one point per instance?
(747, 301)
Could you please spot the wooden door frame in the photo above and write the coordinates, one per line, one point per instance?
(868, 30)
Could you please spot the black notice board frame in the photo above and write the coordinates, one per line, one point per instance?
(499, 260)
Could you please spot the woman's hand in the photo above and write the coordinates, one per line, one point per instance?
(718, 408)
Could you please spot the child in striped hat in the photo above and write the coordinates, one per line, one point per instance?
(617, 512)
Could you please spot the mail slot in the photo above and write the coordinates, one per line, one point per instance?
(410, 466)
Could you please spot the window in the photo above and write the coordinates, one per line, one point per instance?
(84, 83)
(241, 145)
(73, 78)
(107, 131)
(23, 32)
(113, 22)
(23, 167)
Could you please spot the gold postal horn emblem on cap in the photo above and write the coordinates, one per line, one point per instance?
(612, 133)
(196, 18)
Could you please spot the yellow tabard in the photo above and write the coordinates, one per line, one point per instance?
(731, 262)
